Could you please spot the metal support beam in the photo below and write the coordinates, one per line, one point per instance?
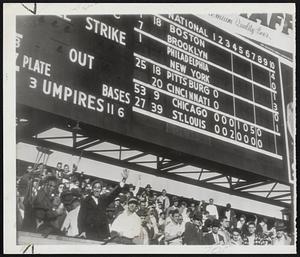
(271, 190)
(169, 164)
(59, 137)
(201, 172)
(84, 142)
(135, 157)
(254, 185)
(212, 178)
(186, 172)
(280, 196)
(244, 183)
(266, 191)
(152, 171)
(175, 167)
(229, 179)
(97, 142)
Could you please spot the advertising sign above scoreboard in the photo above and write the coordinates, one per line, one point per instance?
(172, 80)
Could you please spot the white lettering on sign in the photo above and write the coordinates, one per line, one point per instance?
(105, 30)
(201, 76)
(36, 65)
(187, 47)
(189, 120)
(82, 58)
(191, 108)
(188, 24)
(187, 94)
(187, 36)
(187, 59)
(69, 94)
(115, 94)
(177, 66)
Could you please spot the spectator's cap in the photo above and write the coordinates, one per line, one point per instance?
(215, 223)
(66, 197)
(197, 216)
(133, 200)
(148, 186)
(228, 205)
(117, 199)
(76, 192)
(280, 227)
(175, 199)
(208, 223)
(183, 203)
(131, 186)
(97, 181)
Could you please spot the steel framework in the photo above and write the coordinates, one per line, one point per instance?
(91, 144)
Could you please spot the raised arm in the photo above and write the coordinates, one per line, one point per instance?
(138, 185)
(108, 198)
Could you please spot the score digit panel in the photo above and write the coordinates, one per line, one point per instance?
(172, 80)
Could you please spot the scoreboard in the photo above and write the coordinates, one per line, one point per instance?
(172, 80)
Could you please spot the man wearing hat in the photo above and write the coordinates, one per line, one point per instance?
(147, 194)
(92, 218)
(164, 199)
(193, 234)
(281, 237)
(175, 205)
(230, 215)
(148, 189)
(126, 228)
(214, 238)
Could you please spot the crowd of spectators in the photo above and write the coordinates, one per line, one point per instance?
(61, 201)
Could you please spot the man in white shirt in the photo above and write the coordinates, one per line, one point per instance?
(70, 225)
(212, 209)
(127, 226)
(173, 230)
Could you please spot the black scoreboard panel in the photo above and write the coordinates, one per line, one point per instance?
(172, 80)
